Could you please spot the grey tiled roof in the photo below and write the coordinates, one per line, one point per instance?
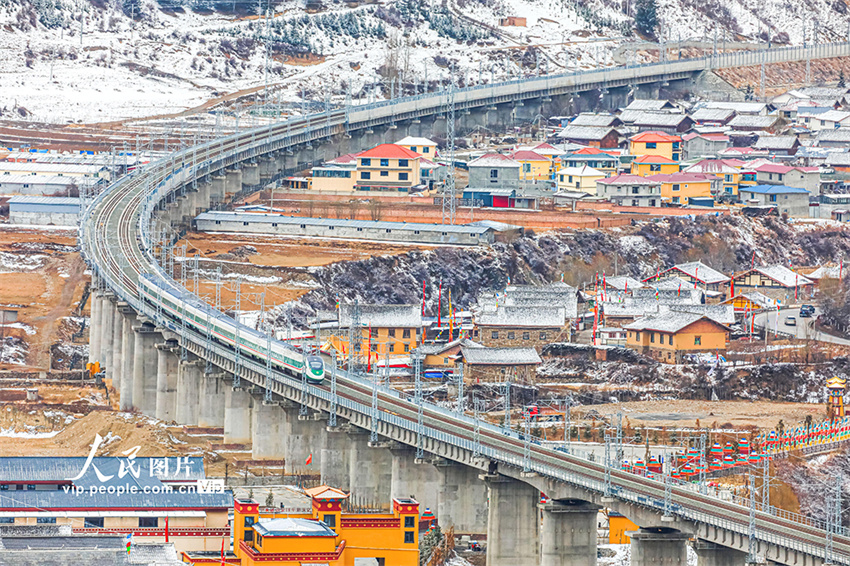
(542, 316)
(500, 356)
(671, 321)
(383, 316)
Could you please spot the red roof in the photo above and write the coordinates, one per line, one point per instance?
(391, 151)
(774, 168)
(644, 137)
(345, 158)
(653, 159)
(627, 179)
(526, 155)
(680, 178)
(544, 145)
(594, 151)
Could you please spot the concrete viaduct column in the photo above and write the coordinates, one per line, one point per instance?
(95, 329)
(462, 499)
(513, 522)
(336, 452)
(234, 182)
(212, 400)
(421, 481)
(188, 390)
(303, 437)
(117, 369)
(145, 368)
(128, 358)
(166, 381)
(250, 175)
(568, 533)
(218, 185)
(369, 471)
(710, 554)
(268, 422)
(202, 198)
(237, 416)
(658, 546)
(268, 167)
(107, 334)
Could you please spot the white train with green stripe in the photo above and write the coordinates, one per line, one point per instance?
(184, 310)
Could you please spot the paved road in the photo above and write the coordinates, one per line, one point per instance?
(804, 330)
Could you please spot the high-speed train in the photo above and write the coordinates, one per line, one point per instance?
(181, 307)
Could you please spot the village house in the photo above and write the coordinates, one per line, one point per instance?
(652, 105)
(581, 178)
(593, 136)
(713, 116)
(775, 281)
(778, 145)
(666, 122)
(729, 175)
(386, 329)
(422, 146)
(597, 120)
(528, 326)
(799, 177)
(656, 143)
(680, 188)
(670, 336)
(697, 146)
(839, 137)
(441, 359)
(498, 365)
(750, 301)
(593, 157)
(494, 170)
(630, 190)
(645, 165)
(753, 108)
(744, 123)
(388, 167)
(694, 272)
(335, 175)
(792, 201)
(830, 120)
(535, 167)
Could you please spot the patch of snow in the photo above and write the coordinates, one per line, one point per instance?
(29, 433)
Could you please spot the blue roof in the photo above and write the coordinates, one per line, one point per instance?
(293, 527)
(49, 500)
(772, 190)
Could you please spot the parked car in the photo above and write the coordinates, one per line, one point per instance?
(790, 321)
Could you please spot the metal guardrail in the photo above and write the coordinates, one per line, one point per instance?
(161, 178)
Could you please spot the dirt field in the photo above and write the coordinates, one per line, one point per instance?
(42, 277)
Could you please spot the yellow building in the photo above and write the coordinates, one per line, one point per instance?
(724, 169)
(618, 526)
(535, 167)
(645, 165)
(327, 536)
(581, 178)
(335, 175)
(387, 167)
(750, 302)
(679, 188)
(422, 146)
(656, 143)
(387, 329)
(669, 337)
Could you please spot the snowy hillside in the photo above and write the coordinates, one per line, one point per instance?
(137, 59)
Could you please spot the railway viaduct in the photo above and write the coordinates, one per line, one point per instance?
(374, 440)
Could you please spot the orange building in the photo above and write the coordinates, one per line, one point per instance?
(669, 337)
(327, 536)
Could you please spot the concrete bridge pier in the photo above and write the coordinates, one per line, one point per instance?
(462, 498)
(513, 522)
(336, 452)
(369, 471)
(250, 175)
(202, 197)
(218, 186)
(267, 442)
(281, 161)
(659, 546)
(303, 438)
(237, 416)
(166, 381)
(568, 533)
(410, 478)
(95, 330)
(189, 373)
(233, 184)
(710, 554)
(145, 367)
(107, 333)
(128, 343)
(267, 169)
(211, 400)
(117, 346)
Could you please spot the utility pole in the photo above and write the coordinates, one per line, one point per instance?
(752, 556)
(449, 203)
(507, 402)
(417, 398)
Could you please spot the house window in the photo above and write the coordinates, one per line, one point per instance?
(7, 520)
(635, 190)
(360, 229)
(494, 335)
(365, 175)
(675, 157)
(373, 347)
(366, 162)
(697, 340)
(727, 178)
(148, 522)
(426, 149)
(409, 522)
(45, 520)
(93, 522)
(385, 173)
(526, 335)
(402, 162)
(391, 332)
(511, 336)
(543, 336)
(249, 536)
(413, 148)
(244, 224)
(637, 336)
(675, 200)
(772, 198)
(526, 167)
(651, 145)
(675, 187)
(402, 176)
(405, 333)
(385, 162)
(329, 520)
(652, 337)
(570, 178)
(494, 173)
(406, 348)
(408, 537)
(655, 167)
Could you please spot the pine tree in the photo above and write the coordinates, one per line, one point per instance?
(646, 17)
(841, 82)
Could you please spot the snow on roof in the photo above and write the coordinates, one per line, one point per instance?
(649, 104)
(672, 321)
(383, 316)
(493, 160)
(709, 137)
(390, 150)
(824, 91)
(412, 140)
(782, 275)
(538, 316)
(772, 190)
(527, 155)
(724, 314)
(759, 299)
(651, 136)
(697, 270)
(776, 142)
(833, 158)
(712, 114)
(715, 166)
(585, 132)
(753, 121)
(834, 135)
(627, 179)
(594, 120)
(663, 119)
(621, 282)
(581, 171)
(826, 272)
(834, 116)
(501, 356)
(740, 107)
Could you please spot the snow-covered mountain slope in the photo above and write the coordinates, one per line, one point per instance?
(137, 59)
